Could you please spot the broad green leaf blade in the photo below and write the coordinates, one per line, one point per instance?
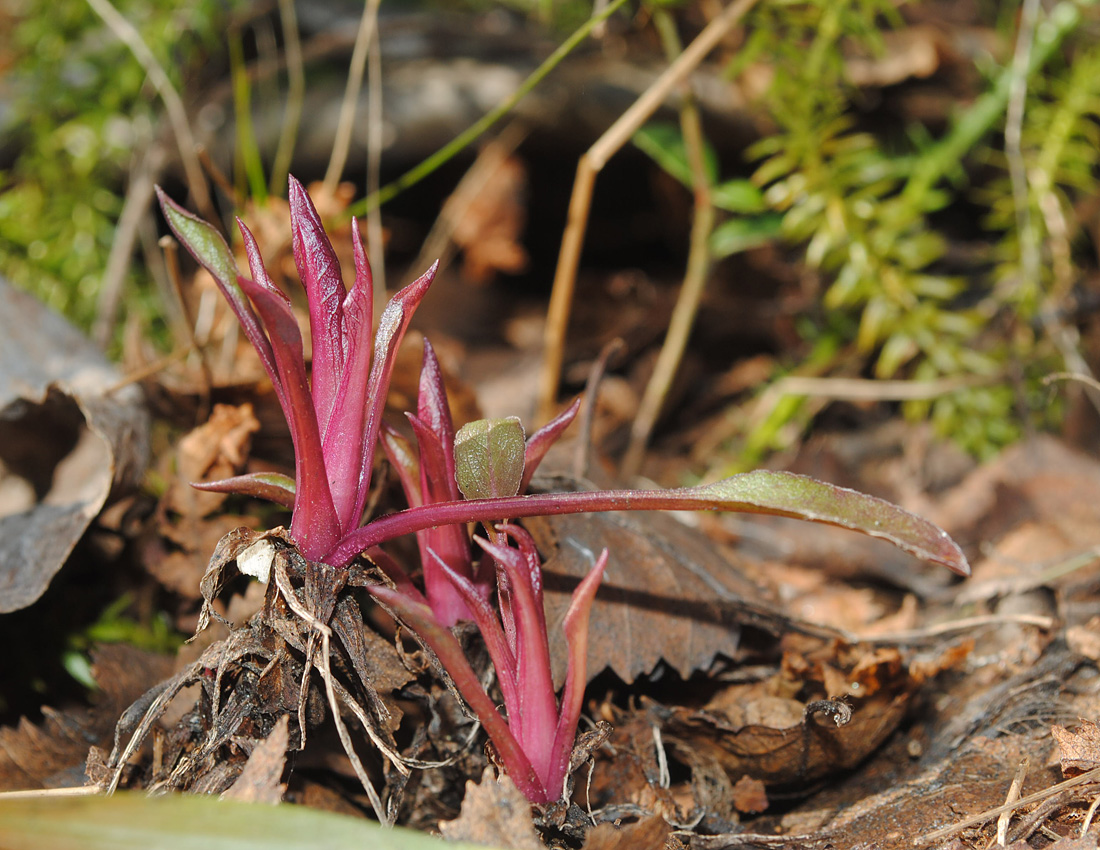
(738, 196)
(740, 234)
(762, 492)
(131, 821)
(489, 458)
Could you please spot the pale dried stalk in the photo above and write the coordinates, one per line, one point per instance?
(177, 115)
(590, 164)
(340, 145)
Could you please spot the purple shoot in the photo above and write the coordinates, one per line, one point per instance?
(536, 742)
(335, 423)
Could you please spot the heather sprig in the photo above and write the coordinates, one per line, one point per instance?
(452, 479)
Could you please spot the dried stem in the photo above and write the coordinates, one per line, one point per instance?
(590, 164)
(367, 24)
(695, 276)
(295, 96)
(177, 115)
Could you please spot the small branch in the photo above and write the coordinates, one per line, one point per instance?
(695, 276)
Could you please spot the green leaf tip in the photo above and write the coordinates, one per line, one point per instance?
(788, 494)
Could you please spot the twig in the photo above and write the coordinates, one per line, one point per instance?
(470, 135)
(177, 115)
(295, 96)
(582, 456)
(367, 24)
(439, 245)
(937, 834)
(590, 164)
(695, 276)
(1005, 818)
(961, 625)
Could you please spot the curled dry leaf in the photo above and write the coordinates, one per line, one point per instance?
(494, 813)
(69, 438)
(1080, 749)
(789, 729)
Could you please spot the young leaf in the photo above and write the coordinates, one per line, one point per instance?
(352, 496)
(314, 525)
(272, 486)
(449, 652)
(208, 247)
(539, 443)
(320, 273)
(762, 491)
(489, 458)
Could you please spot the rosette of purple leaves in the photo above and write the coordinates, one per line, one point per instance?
(451, 480)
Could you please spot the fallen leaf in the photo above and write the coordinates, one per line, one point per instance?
(494, 813)
(1080, 749)
(69, 438)
(52, 754)
(652, 833)
(749, 795)
(259, 780)
(667, 593)
(492, 222)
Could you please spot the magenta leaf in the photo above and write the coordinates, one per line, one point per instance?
(350, 497)
(447, 649)
(208, 247)
(762, 491)
(273, 486)
(572, 698)
(320, 273)
(344, 437)
(489, 456)
(539, 443)
(313, 525)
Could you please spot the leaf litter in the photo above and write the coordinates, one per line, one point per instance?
(743, 715)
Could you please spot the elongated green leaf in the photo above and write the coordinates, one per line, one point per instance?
(489, 458)
(130, 821)
(762, 492)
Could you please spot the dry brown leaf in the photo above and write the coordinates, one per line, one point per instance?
(52, 754)
(762, 730)
(69, 436)
(1080, 748)
(490, 226)
(494, 813)
(749, 795)
(652, 833)
(667, 593)
(259, 780)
